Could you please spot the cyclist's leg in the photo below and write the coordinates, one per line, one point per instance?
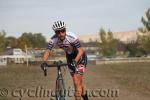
(84, 92)
(81, 69)
(77, 75)
(77, 80)
(84, 89)
(80, 87)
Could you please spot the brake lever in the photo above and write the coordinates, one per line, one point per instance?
(44, 68)
(45, 72)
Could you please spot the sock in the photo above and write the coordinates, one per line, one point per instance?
(85, 97)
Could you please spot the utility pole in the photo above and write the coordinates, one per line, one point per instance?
(27, 62)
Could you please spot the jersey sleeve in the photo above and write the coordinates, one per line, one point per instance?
(76, 43)
(51, 43)
(74, 40)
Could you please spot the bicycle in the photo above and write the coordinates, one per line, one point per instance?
(60, 86)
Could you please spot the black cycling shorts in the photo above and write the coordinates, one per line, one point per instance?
(81, 64)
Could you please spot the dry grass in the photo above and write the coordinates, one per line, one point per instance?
(134, 77)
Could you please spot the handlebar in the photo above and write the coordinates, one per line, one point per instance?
(57, 64)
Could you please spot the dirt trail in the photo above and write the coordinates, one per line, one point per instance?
(99, 79)
(96, 79)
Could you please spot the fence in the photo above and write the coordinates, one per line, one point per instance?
(122, 60)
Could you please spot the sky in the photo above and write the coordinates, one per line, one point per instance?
(80, 16)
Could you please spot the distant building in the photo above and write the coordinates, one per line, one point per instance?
(14, 55)
(3, 61)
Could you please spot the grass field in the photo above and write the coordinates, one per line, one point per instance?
(132, 80)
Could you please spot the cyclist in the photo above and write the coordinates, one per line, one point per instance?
(75, 55)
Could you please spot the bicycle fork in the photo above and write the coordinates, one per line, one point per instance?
(60, 87)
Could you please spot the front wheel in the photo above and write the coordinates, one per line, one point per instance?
(60, 90)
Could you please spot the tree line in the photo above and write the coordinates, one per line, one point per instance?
(109, 46)
(31, 40)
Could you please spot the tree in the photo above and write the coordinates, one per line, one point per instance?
(39, 40)
(132, 48)
(146, 22)
(144, 44)
(144, 34)
(25, 39)
(102, 34)
(11, 42)
(110, 36)
(35, 40)
(2, 41)
(108, 45)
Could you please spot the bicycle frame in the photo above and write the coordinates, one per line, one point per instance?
(60, 86)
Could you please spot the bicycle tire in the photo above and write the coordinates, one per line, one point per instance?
(60, 90)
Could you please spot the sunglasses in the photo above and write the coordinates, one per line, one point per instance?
(58, 31)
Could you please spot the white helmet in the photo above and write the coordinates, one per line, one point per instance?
(58, 25)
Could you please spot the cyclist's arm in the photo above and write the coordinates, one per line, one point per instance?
(80, 49)
(80, 53)
(46, 54)
(48, 50)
